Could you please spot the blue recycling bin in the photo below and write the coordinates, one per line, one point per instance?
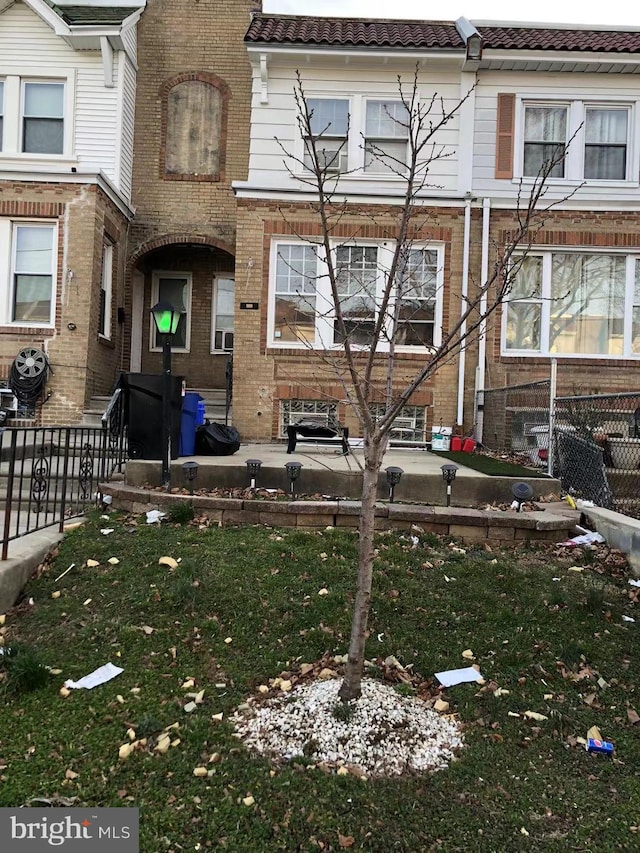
(190, 410)
(200, 415)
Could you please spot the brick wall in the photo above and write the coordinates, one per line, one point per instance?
(180, 41)
(575, 375)
(80, 366)
(268, 375)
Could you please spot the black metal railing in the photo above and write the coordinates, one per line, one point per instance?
(52, 473)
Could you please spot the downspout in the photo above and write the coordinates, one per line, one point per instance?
(463, 307)
(482, 340)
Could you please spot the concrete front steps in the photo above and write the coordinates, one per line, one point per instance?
(214, 402)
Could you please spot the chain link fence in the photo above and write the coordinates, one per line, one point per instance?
(595, 451)
(516, 420)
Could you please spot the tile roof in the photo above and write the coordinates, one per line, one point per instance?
(352, 32)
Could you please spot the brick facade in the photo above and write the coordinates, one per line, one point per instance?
(179, 42)
(82, 364)
(268, 375)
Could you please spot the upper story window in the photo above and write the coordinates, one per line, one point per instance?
(574, 304)
(43, 118)
(606, 138)
(580, 140)
(385, 136)
(36, 117)
(329, 125)
(301, 311)
(545, 136)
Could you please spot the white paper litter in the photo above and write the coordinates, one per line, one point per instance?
(451, 677)
(107, 530)
(628, 619)
(634, 583)
(95, 678)
(585, 539)
(154, 516)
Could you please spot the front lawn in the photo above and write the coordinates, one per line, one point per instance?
(243, 606)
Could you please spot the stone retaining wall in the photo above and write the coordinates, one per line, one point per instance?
(470, 525)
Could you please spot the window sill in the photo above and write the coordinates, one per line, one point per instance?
(567, 183)
(567, 355)
(36, 162)
(106, 342)
(15, 329)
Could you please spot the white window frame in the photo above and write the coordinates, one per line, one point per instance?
(324, 337)
(8, 231)
(2, 113)
(344, 157)
(546, 303)
(576, 118)
(155, 296)
(214, 301)
(106, 287)
(11, 148)
(381, 140)
(353, 151)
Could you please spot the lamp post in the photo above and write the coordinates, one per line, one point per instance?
(293, 471)
(393, 478)
(166, 318)
(253, 469)
(449, 475)
(190, 471)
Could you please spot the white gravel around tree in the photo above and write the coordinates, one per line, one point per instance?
(386, 734)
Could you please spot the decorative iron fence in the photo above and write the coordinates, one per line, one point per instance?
(52, 473)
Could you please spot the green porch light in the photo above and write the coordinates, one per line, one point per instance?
(166, 317)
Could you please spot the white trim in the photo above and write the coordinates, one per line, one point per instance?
(324, 330)
(545, 300)
(576, 121)
(155, 288)
(106, 285)
(8, 230)
(214, 298)
(119, 142)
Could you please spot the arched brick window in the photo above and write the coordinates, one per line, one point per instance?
(194, 125)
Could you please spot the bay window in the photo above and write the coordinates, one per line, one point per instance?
(301, 308)
(574, 304)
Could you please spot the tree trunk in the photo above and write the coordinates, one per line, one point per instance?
(351, 687)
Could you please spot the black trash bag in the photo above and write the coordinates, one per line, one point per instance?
(312, 429)
(217, 440)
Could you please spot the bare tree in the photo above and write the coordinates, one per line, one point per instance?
(371, 306)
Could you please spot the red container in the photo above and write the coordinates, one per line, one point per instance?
(469, 445)
(456, 443)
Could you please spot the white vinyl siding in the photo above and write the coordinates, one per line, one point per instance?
(592, 91)
(275, 132)
(31, 51)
